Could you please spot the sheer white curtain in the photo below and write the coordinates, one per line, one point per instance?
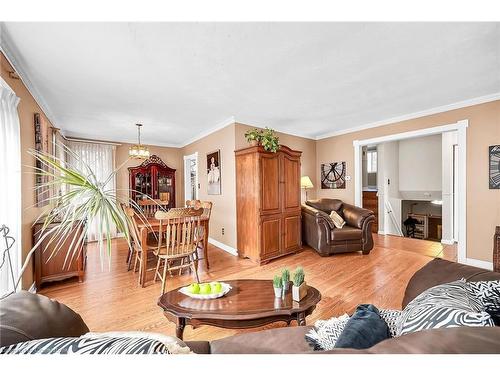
(100, 159)
(10, 182)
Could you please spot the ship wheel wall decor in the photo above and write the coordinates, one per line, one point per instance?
(333, 175)
(494, 167)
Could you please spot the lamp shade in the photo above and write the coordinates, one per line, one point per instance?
(306, 183)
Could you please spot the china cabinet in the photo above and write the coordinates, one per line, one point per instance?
(153, 179)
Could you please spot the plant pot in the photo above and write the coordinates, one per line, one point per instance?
(277, 292)
(253, 142)
(299, 292)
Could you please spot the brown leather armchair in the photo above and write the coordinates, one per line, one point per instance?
(319, 232)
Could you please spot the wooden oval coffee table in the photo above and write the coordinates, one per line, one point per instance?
(249, 304)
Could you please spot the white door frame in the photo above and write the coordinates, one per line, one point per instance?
(187, 176)
(461, 128)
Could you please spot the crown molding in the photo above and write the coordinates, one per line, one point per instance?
(257, 125)
(213, 129)
(11, 54)
(414, 115)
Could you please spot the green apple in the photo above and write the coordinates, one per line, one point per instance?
(194, 288)
(205, 289)
(216, 287)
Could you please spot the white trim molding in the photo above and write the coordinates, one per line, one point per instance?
(32, 288)
(213, 129)
(10, 53)
(414, 115)
(461, 128)
(447, 242)
(223, 246)
(479, 263)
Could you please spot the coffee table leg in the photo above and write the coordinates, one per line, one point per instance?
(179, 329)
(301, 319)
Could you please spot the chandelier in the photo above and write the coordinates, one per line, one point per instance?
(138, 151)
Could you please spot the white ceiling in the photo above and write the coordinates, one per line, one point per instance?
(181, 79)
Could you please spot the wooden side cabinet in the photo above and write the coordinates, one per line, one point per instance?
(54, 269)
(268, 203)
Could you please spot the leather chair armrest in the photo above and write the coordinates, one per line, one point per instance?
(320, 216)
(356, 216)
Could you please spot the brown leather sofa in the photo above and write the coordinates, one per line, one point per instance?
(319, 232)
(463, 340)
(25, 316)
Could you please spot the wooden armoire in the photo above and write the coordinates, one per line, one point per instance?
(268, 203)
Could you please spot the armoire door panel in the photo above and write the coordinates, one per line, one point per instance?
(291, 183)
(270, 184)
(292, 234)
(271, 235)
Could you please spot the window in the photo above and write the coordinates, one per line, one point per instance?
(371, 161)
(10, 188)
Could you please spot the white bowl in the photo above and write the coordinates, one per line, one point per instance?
(225, 289)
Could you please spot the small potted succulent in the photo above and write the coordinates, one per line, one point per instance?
(285, 279)
(299, 288)
(277, 286)
(253, 136)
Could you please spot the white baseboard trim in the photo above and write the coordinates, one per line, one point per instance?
(381, 232)
(32, 288)
(479, 263)
(220, 245)
(447, 242)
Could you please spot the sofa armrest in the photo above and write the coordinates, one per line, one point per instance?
(356, 216)
(26, 316)
(440, 271)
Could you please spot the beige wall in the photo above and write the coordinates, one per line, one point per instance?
(27, 108)
(483, 204)
(224, 205)
(170, 156)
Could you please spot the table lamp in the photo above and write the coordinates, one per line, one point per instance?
(306, 183)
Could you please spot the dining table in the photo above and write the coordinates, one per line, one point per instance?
(151, 224)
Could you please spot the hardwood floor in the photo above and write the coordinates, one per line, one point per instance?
(110, 298)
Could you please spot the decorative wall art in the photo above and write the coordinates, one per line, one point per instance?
(333, 175)
(495, 167)
(213, 173)
(41, 144)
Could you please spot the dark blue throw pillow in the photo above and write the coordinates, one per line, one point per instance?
(364, 329)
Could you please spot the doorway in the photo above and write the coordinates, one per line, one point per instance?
(191, 176)
(457, 203)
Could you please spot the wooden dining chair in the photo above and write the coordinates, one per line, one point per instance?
(150, 206)
(177, 241)
(207, 211)
(135, 243)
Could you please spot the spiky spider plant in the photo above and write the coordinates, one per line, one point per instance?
(79, 199)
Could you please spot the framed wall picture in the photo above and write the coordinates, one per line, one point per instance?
(42, 131)
(494, 167)
(333, 175)
(213, 173)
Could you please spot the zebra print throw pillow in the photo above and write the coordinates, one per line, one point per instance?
(89, 344)
(325, 333)
(447, 305)
(391, 318)
(488, 292)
